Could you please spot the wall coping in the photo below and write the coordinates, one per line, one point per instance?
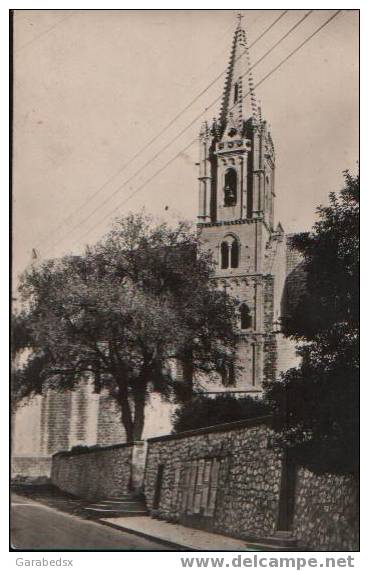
(31, 456)
(89, 450)
(226, 427)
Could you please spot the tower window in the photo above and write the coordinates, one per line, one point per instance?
(229, 253)
(236, 91)
(230, 188)
(245, 315)
(234, 254)
(224, 254)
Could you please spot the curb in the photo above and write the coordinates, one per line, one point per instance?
(167, 542)
(255, 547)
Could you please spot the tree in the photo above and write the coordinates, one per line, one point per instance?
(121, 314)
(316, 405)
(204, 411)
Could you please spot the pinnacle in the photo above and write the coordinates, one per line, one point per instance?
(238, 95)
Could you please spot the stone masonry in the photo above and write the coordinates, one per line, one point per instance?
(247, 487)
(246, 500)
(100, 473)
(226, 479)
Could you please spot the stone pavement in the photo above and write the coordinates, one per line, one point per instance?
(178, 536)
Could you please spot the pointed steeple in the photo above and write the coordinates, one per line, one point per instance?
(239, 102)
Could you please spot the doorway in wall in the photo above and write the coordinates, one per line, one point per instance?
(158, 486)
(287, 494)
(202, 482)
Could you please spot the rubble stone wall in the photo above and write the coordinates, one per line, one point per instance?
(247, 498)
(31, 466)
(248, 484)
(94, 474)
(327, 511)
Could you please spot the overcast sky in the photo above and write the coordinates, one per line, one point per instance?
(91, 88)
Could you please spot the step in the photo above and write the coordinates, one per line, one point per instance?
(117, 509)
(281, 533)
(124, 504)
(279, 541)
(107, 509)
(114, 513)
(261, 546)
(125, 498)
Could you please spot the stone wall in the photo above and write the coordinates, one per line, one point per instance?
(327, 511)
(96, 473)
(31, 466)
(244, 501)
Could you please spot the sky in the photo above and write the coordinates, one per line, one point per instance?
(93, 87)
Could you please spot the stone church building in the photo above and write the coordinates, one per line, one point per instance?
(254, 262)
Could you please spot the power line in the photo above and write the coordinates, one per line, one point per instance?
(152, 140)
(27, 44)
(123, 167)
(269, 74)
(194, 120)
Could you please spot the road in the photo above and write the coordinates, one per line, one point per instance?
(35, 526)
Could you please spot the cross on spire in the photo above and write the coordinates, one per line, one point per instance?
(239, 96)
(239, 18)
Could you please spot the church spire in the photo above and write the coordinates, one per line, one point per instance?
(239, 102)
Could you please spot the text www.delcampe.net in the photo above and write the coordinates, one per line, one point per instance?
(262, 561)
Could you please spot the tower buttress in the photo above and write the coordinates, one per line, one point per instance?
(205, 178)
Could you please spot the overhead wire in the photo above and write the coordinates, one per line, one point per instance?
(39, 36)
(145, 147)
(267, 76)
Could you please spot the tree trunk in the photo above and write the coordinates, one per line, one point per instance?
(126, 413)
(128, 425)
(139, 399)
(139, 417)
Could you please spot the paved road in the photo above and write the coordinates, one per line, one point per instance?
(35, 526)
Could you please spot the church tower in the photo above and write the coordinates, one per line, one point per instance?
(236, 215)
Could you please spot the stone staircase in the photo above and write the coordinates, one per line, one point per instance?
(281, 540)
(127, 505)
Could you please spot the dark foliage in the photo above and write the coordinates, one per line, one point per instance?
(204, 411)
(316, 405)
(120, 314)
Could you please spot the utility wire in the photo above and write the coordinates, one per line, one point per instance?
(194, 120)
(153, 140)
(269, 74)
(27, 44)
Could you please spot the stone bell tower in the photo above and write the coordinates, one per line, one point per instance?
(236, 215)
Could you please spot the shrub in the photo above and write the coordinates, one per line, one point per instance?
(203, 411)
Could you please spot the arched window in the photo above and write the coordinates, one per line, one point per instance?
(234, 254)
(245, 316)
(229, 253)
(230, 188)
(236, 89)
(224, 255)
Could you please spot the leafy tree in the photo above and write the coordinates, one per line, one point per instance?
(316, 405)
(120, 314)
(203, 411)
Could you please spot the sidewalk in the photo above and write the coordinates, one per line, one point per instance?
(177, 536)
